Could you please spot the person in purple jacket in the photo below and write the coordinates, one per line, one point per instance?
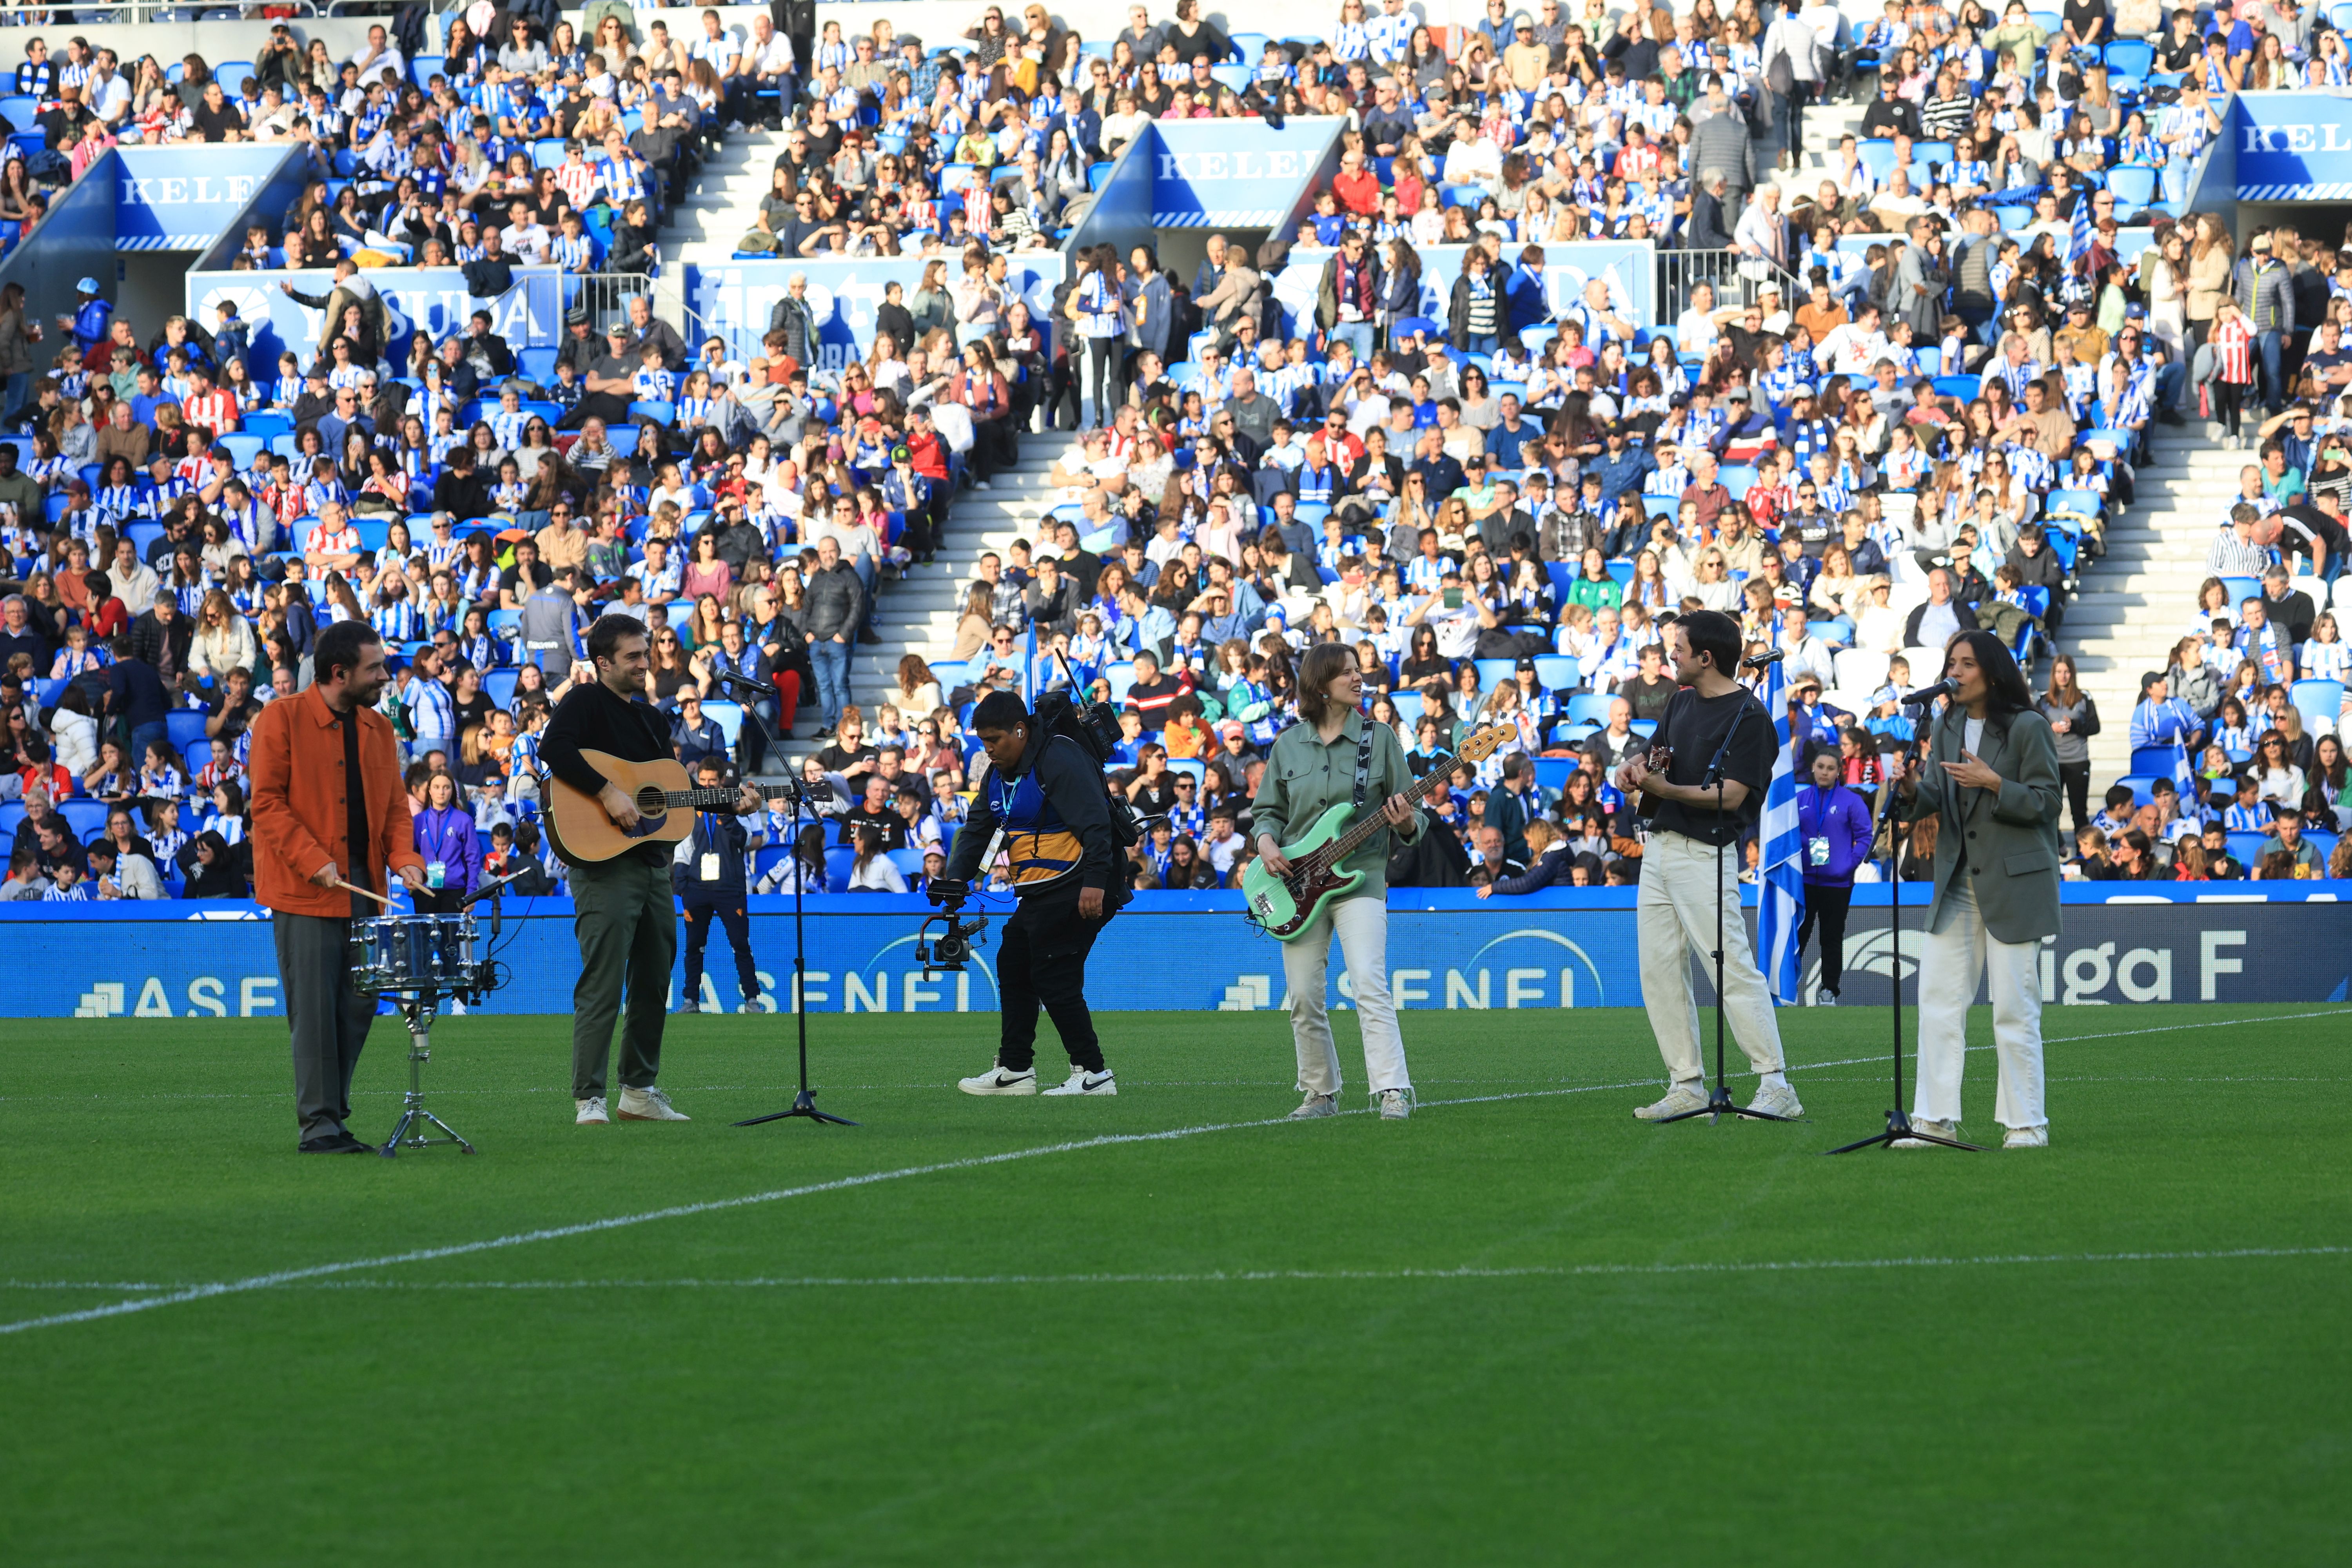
(1836, 824)
(452, 852)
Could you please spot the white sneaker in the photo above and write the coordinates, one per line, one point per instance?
(592, 1112)
(1933, 1128)
(982, 485)
(998, 1081)
(2027, 1138)
(1081, 1081)
(649, 1105)
(1678, 1100)
(1777, 1100)
(1316, 1105)
(1396, 1104)
(1826, 998)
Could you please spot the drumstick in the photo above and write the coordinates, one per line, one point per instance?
(363, 892)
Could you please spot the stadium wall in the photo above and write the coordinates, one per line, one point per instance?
(1446, 949)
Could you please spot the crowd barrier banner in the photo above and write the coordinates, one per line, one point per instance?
(735, 298)
(1235, 173)
(1447, 951)
(1625, 267)
(181, 198)
(529, 316)
(2290, 146)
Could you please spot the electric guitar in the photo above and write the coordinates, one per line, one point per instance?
(1285, 906)
(583, 833)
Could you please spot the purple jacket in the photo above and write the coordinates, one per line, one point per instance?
(1839, 815)
(447, 835)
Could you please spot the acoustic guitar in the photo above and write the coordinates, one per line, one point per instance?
(583, 833)
(1287, 906)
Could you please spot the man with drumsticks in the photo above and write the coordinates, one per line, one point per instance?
(326, 777)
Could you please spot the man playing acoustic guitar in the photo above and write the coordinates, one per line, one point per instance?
(621, 908)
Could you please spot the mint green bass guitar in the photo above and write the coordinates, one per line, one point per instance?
(1287, 906)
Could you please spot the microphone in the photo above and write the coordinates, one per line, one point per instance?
(1926, 694)
(729, 678)
(487, 888)
(1762, 659)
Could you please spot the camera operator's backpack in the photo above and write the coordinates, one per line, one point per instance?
(1095, 730)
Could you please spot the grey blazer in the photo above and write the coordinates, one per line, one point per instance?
(2011, 836)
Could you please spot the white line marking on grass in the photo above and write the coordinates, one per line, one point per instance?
(1281, 1276)
(681, 1210)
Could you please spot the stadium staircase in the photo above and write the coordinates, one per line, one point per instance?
(2136, 604)
(725, 202)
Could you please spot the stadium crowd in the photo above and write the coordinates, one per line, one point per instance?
(1499, 489)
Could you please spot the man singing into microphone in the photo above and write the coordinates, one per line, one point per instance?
(622, 912)
(329, 815)
(1680, 888)
(1991, 780)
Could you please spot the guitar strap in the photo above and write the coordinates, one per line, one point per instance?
(1363, 764)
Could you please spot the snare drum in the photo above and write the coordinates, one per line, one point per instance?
(408, 954)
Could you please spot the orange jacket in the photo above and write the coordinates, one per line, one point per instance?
(299, 821)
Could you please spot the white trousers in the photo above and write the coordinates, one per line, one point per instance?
(1958, 951)
(1362, 924)
(1675, 915)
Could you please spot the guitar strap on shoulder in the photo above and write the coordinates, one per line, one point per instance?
(1364, 765)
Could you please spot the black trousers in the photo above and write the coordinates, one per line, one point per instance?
(700, 914)
(2075, 779)
(1042, 961)
(609, 407)
(1827, 905)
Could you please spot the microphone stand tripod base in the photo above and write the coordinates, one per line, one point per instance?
(1718, 1104)
(1898, 1126)
(804, 1106)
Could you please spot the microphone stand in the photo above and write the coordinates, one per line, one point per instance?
(1899, 1121)
(1719, 1099)
(804, 1104)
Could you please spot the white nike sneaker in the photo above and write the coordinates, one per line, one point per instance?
(1081, 1081)
(1678, 1100)
(1777, 1100)
(2027, 1138)
(1933, 1128)
(998, 1081)
(592, 1112)
(1826, 998)
(1316, 1105)
(1396, 1104)
(649, 1105)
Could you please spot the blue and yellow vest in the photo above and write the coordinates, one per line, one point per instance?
(1040, 845)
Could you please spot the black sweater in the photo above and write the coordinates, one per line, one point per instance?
(594, 717)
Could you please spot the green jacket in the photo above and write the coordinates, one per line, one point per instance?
(2011, 836)
(1304, 778)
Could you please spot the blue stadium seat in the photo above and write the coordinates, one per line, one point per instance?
(183, 726)
(838, 859)
(86, 817)
(2316, 700)
(2152, 761)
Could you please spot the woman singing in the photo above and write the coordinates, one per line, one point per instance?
(1314, 766)
(1991, 782)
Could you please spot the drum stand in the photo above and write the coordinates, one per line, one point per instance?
(417, 1012)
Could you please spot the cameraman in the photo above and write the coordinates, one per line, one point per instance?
(1045, 798)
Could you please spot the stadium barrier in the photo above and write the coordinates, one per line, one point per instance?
(1446, 949)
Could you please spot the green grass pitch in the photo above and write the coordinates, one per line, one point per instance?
(1521, 1328)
